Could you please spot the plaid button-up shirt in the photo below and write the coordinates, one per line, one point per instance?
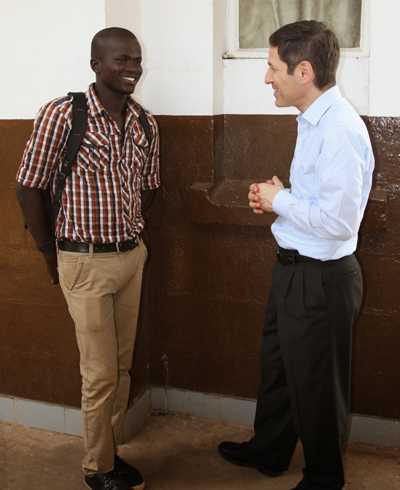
(101, 201)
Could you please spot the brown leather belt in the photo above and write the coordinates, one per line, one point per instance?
(72, 246)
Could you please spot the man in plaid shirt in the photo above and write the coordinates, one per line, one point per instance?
(97, 254)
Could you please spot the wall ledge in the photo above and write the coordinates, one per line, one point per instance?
(224, 203)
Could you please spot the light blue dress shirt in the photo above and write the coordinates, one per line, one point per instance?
(330, 178)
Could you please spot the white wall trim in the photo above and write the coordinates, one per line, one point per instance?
(40, 415)
(365, 429)
(64, 419)
(137, 415)
(57, 418)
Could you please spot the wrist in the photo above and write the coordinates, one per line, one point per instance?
(276, 193)
(282, 203)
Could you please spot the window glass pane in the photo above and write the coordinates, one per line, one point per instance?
(260, 18)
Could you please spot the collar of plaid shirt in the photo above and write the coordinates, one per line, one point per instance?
(96, 108)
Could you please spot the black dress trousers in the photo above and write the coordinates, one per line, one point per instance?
(306, 367)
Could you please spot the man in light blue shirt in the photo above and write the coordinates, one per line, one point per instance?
(331, 177)
(317, 285)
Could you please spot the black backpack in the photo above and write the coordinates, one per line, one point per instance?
(74, 141)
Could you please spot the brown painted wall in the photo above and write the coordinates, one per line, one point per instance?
(38, 355)
(212, 259)
(209, 272)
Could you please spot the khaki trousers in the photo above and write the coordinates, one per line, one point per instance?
(102, 291)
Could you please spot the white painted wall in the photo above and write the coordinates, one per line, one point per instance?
(246, 93)
(45, 46)
(178, 38)
(182, 43)
(125, 13)
(183, 58)
(384, 80)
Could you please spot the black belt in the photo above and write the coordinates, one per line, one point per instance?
(289, 257)
(71, 246)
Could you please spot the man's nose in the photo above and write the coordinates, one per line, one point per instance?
(268, 78)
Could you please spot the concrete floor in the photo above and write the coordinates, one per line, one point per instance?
(174, 453)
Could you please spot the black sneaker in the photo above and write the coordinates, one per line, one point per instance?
(105, 481)
(128, 473)
(243, 454)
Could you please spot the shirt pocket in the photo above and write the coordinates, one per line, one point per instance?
(139, 136)
(140, 144)
(94, 154)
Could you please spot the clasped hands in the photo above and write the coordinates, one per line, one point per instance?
(262, 194)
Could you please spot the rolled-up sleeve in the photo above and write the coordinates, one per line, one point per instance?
(151, 169)
(42, 151)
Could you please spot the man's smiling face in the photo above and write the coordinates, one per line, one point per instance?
(286, 88)
(119, 66)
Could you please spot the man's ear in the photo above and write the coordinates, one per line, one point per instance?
(95, 64)
(305, 72)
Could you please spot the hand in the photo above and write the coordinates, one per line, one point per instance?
(51, 264)
(254, 199)
(262, 194)
(267, 192)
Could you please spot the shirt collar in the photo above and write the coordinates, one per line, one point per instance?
(95, 107)
(318, 108)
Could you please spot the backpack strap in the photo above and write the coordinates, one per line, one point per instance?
(145, 124)
(74, 141)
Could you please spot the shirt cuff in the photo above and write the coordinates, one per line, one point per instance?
(151, 182)
(282, 202)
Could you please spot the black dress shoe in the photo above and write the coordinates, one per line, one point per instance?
(243, 454)
(128, 473)
(105, 481)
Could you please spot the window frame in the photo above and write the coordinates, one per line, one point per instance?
(232, 36)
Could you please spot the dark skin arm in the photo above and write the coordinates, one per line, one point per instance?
(34, 211)
(147, 199)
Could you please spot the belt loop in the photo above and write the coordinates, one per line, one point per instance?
(91, 249)
(117, 246)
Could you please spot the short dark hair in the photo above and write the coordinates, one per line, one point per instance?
(105, 34)
(309, 40)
